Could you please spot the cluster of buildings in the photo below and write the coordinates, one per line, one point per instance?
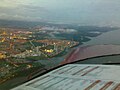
(9, 38)
(11, 41)
(2, 55)
(64, 43)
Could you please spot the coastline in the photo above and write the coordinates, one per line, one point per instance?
(84, 52)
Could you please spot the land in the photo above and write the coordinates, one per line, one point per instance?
(23, 44)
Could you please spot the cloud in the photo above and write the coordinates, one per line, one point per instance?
(19, 17)
(22, 12)
(67, 11)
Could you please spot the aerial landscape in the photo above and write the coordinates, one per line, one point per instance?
(38, 36)
(22, 48)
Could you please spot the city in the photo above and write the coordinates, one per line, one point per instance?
(19, 48)
(38, 48)
(59, 44)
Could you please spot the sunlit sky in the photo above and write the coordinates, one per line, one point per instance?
(84, 12)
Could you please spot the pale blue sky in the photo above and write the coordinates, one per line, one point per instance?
(84, 12)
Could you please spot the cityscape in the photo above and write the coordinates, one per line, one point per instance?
(20, 47)
(38, 48)
(59, 44)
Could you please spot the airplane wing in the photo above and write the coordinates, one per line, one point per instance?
(77, 77)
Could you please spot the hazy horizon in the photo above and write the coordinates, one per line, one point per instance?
(84, 12)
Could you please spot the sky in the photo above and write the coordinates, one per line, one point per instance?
(83, 12)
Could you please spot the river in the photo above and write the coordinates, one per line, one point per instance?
(111, 37)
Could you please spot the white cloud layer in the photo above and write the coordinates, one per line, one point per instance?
(86, 12)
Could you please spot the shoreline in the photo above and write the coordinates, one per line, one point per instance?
(84, 52)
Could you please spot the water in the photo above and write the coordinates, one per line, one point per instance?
(101, 60)
(112, 37)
